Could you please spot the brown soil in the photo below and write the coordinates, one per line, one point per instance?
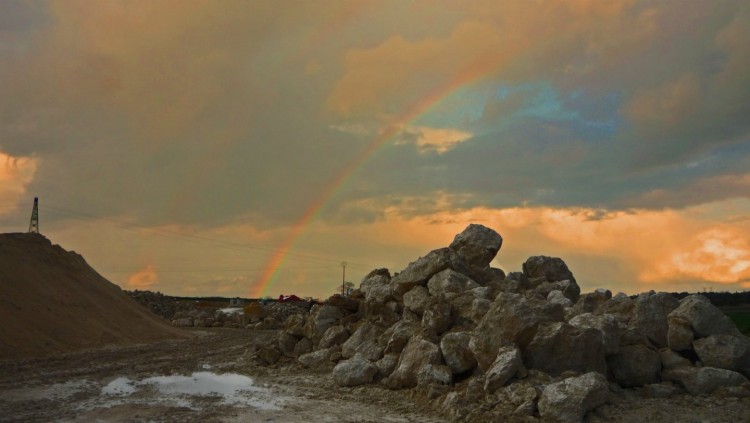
(69, 387)
(52, 301)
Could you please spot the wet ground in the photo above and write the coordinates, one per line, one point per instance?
(210, 378)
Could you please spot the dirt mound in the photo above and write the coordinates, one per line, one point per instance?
(52, 301)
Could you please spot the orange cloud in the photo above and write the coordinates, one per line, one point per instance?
(16, 173)
(143, 279)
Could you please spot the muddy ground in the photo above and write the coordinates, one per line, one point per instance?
(81, 387)
(117, 385)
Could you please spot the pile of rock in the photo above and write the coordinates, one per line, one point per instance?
(160, 304)
(527, 343)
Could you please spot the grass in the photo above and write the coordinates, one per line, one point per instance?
(742, 320)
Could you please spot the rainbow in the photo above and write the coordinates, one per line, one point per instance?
(469, 74)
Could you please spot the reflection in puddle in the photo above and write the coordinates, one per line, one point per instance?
(232, 388)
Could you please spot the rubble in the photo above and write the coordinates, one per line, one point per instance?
(473, 340)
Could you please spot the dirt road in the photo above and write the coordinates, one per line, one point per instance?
(209, 378)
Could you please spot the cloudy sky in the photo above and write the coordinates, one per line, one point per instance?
(247, 148)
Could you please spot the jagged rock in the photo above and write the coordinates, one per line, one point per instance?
(461, 306)
(725, 352)
(551, 269)
(396, 337)
(477, 245)
(527, 408)
(355, 371)
(449, 280)
(558, 347)
(591, 302)
(703, 380)
(303, 346)
(607, 324)
(344, 303)
(569, 400)
(287, 342)
(417, 353)
(376, 286)
(621, 306)
(370, 350)
(670, 359)
(318, 358)
(295, 325)
(334, 335)
(545, 310)
(650, 316)
(383, 314)
(479, 307)
(484, 292)
(366, 332)
(321, 318)
(434, 374)
(421, 270)
(387, 365)
(437, 318)
(635, 365)
(557, 297)
(509, 319)
(417, 299)
(456, 352)
(679, 334)
(507, 363)
(704, 318)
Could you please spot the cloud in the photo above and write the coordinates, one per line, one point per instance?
(144, 279)
(16, 173)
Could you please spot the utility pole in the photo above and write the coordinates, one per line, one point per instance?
(34, 225)
(343, 278)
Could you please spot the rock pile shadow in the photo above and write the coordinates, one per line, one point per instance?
(527, 344)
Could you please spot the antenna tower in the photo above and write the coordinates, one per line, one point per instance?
(34, 225)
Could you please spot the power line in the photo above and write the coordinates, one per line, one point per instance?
(194, 238)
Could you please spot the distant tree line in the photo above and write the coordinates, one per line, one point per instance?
(720, 299)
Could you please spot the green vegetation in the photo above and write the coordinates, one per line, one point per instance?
(741, 319)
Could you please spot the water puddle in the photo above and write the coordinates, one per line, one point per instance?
(191, 391)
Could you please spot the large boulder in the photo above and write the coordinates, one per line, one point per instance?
(725, 352)
(552, 269)
(321, 318)
(434, 374)
(295, 324)
(287, 342)
(456, 352)
(418, 352)
(318, 358)
(367, 331)
(650, 316)
(437, 318)
(558, 347)
(421, 270)
(395, 338)
(417, 299)
(679, 333)
(510, 319)
(635, 365)
(704, 318)
(703, 380)
(386, 365)
(477, 245)
(507, 363)
(355, 371)
(591, 302)
(449, 280)
(348, 304)
(334, 335)
(607, 324)
(376, 286)
(569, 400)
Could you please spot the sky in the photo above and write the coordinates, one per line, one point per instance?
(248, 148)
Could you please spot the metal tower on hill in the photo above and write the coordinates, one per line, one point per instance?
(34, 225)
